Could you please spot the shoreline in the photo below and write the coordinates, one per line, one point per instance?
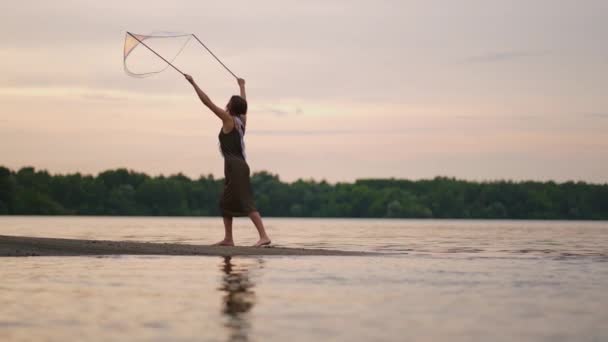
(18, 246)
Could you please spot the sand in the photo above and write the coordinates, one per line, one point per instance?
(36, 246)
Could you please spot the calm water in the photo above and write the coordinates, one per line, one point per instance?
(437, 280)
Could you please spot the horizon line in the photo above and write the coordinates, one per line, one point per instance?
(311, 179)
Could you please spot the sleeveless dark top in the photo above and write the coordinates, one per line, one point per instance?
(230, 143)
(237, 195)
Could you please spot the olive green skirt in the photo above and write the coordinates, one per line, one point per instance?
(237, 196)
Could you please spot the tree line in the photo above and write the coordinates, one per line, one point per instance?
(28, 191)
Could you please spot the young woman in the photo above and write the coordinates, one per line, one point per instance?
(237, 197)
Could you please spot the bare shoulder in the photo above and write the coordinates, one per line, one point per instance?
(221, 113)
(227, 124)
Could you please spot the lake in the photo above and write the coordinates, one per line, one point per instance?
(433, 280)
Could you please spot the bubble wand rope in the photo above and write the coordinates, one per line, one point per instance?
(161, 57)
(214, 56)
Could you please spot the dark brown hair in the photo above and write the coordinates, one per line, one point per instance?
(237, 105)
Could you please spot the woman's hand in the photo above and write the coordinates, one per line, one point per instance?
(241, 82)
(189, 78)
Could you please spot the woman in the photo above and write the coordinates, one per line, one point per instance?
(237, 197)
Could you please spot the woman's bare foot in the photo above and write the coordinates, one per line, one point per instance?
(224, 243)
(262, 242)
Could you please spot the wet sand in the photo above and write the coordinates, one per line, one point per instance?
(35, 246)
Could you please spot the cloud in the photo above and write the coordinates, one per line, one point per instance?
(315, 132)
(280, 111)
(104, 97)
(283, 132)
(511, 117)
(503, 56)
(597, 115)
(97, 94)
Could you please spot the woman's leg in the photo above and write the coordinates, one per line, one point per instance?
(228, 240)
(259, 225)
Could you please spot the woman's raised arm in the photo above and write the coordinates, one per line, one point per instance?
(222, 114)
(242, 87)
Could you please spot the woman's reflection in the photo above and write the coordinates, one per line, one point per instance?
(238, 298)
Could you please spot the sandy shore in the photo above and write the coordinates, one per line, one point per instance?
(34, 246)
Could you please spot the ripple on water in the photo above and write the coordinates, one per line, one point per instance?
(440, 280)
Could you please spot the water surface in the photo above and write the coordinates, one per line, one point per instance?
(437, 280)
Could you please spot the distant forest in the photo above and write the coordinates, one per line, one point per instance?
(123, 192)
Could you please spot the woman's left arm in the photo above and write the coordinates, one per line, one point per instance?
(241, 83)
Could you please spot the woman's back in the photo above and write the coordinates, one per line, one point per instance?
(231, 143)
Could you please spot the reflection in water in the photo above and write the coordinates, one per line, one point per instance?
(238, 299)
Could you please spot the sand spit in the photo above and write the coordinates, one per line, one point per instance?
(36, 246)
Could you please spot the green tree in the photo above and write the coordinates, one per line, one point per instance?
(126, 192)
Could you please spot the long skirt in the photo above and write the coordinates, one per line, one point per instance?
(237, 196)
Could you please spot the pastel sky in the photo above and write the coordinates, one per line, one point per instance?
(338, 90)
